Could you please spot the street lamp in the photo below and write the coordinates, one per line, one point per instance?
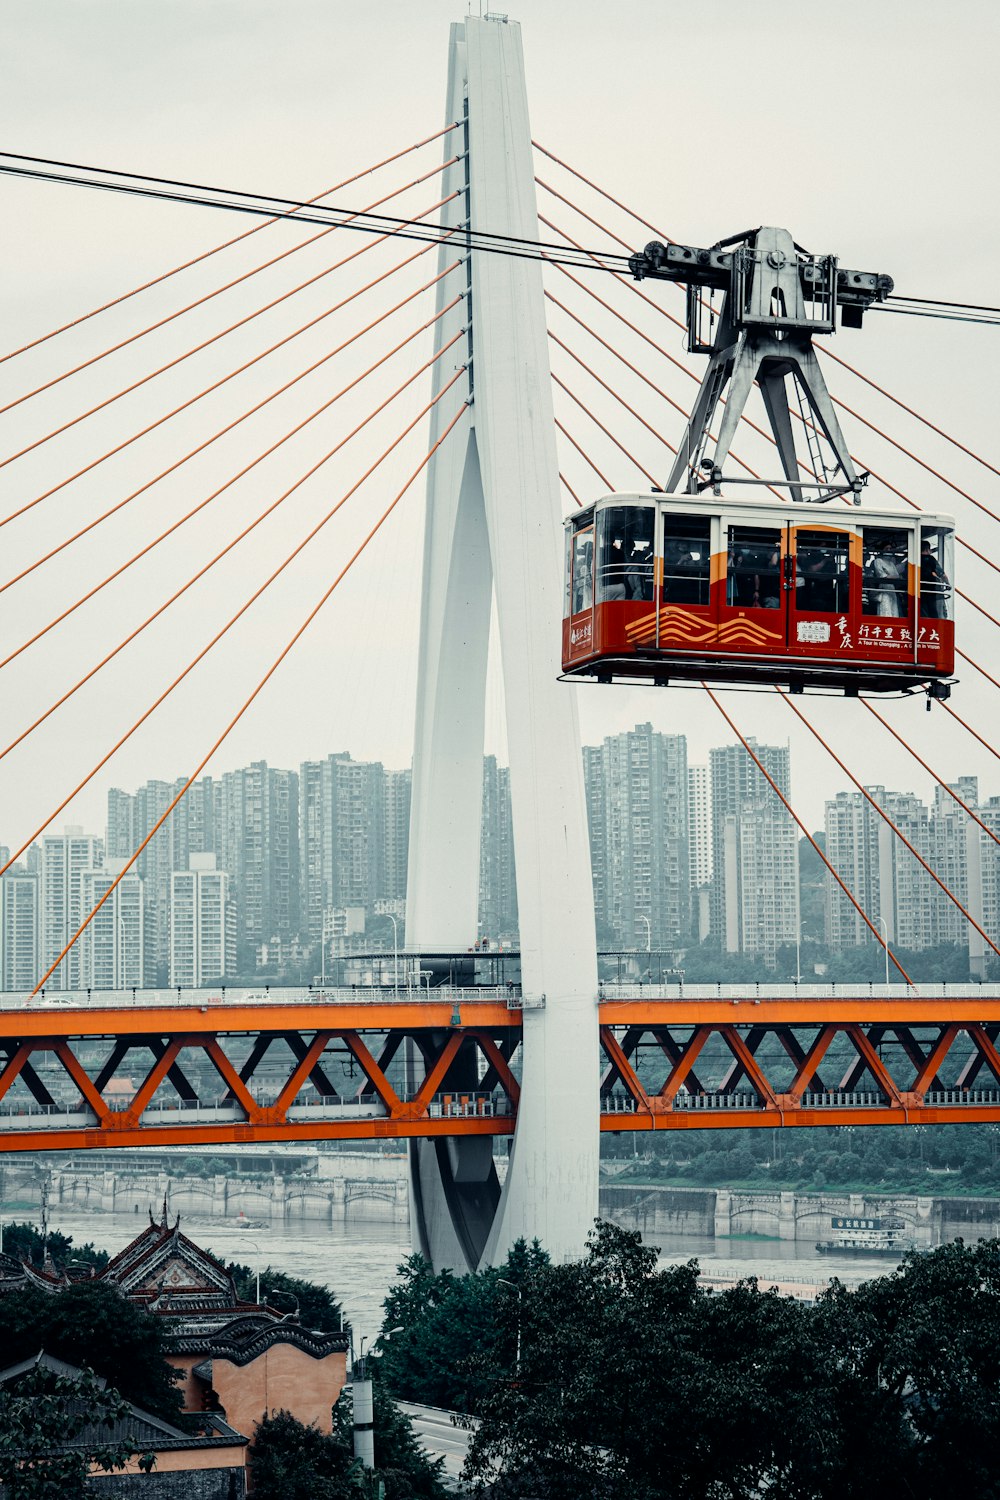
(884, 928)
(649, 931)
(253, 1245)
(280, 1292)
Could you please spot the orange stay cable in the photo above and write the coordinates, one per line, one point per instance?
(975, 735)
(569, 487)
(230, 375)
(207, 254)
(886, 818)
(980, 669)
(586, 457)
(232, 621)
(909, 409)
(598, 423)
(604, 194)
(121, 504)
(936, 778)
(612, 392)
(215, 337)
(256, 692)
(200, 301)
(778, 792)
(207, 567)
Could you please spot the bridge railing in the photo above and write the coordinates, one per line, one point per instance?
(361, 994)
(764, 990)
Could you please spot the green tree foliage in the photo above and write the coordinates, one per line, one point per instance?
(629, 1381)
(289, 1461)
(401, 1465)
(94, 1325)
(44, 1411)
(318, 1307)
(24, 1242)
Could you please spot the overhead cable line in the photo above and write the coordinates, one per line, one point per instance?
(208, 296)
(225, 244)
(120, 505)
(786, 699)
(232, 621)
(259, 687)
(216, 384)
(362, 221)
(234, 542)
(273, 506)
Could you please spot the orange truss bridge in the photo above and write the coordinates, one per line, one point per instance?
(161, 1068)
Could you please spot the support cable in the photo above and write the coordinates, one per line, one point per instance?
(886, 819)
(200, 301)
(778, 792)
(215, 385)
(932, 773)
(121, 504)
(978, 667)
(975, 735)
(234, 618)
(261, 684)
(207, 567)
(205, 344)
(586, 458)
(598, 423)
(225, 244)
(555, 339)
(566, 484)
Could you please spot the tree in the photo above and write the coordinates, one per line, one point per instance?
(42, 1413)
(94, 1325)
(290, 1461)
(23, 1242)
(317, 1306)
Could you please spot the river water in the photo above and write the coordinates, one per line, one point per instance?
(359, 1262)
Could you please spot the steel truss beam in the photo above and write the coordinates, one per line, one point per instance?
(227, 1072)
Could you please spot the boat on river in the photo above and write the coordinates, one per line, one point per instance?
(866, 1236)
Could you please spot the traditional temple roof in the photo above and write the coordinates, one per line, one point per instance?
(165, 1272)
(244, 1339)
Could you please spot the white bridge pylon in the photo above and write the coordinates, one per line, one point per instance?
(494, 524)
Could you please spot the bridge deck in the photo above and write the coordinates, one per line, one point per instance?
(167, 1067)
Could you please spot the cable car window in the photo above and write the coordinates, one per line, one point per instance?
(625, 553)
(822, 580)
(687, 559)
(754, 568)
(936, 544)
(583, 571)
(884, 571)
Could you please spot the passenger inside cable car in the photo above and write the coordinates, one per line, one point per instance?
(677, 587)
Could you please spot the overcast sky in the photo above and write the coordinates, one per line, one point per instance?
(869, 131)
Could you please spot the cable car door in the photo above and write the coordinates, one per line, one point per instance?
(578, 625)
(818, 588)
(751, 617)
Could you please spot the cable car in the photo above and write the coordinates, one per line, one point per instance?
(689, 583)
(662, 588)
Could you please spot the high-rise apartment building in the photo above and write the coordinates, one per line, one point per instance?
(885, 878)
(343, 841)
(259, 850)
(755, 863)
(497, 887)
(20, 930)
(637, 802)
(398, 787)
(65, 859)
(202, 924)
(700, 849)
(112, 948)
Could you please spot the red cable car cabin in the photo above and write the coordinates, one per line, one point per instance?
(673, 587)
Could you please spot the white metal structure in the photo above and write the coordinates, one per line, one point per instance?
(494, 525)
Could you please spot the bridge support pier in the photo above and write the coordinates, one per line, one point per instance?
(494, 526)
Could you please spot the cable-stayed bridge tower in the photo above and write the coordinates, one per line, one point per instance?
(493, 530)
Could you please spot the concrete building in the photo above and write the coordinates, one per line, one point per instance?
(202, 924)
(20, 930)
(755, 860)
(342, 836)
(113, 948)
(259, 850)
(497, 883)
(398, 793)
(65, 859)
(637, 796)
(700, 849)
(885, 878)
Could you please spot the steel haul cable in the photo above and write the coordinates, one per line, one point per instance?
(196, 349)
(234, 618)
(225, 244)
(234, 542)
(208, 390)
(143, 489)
(255, 693)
